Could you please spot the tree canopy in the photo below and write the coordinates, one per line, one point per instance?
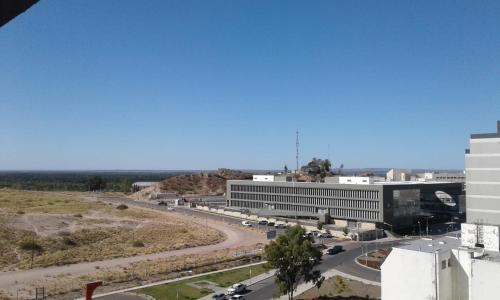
(318, 167)
(294, 256)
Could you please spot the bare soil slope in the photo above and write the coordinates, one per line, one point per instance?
(200, 184)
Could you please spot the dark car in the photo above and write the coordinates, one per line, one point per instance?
(335, 249)
(270, 224)
(219, 297)
(262, 222)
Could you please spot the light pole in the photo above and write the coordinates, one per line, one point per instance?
(419, 229)
(427, 224)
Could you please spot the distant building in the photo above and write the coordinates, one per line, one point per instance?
(442, 176)
(398, 175)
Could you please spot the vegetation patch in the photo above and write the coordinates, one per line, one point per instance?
(77, 229)
(188, 291)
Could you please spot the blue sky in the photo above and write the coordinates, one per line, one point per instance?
(208, 84)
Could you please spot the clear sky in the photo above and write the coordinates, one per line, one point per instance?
(207, 84)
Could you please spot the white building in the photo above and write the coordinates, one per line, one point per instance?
(441, 176)
(266, 178)
(398, 175)
(448, 268)
(441, 269)
(355, 180)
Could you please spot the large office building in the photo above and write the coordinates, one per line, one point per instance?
(482, 167)
(351, 200)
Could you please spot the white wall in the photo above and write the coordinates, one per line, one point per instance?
(269, 178)
(354, 180)
(408, 275)
(485, 280)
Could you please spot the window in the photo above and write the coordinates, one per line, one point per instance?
(449, 262)
(443, 264)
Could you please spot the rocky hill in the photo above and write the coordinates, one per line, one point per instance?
(199, 184)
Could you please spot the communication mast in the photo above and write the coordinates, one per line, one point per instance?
(297, 150)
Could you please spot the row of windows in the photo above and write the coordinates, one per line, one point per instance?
(334, 212)
(354, 214)
(326, 192)
(366, 204)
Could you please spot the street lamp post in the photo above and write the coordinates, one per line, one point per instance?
(427, 224)
(419, 229)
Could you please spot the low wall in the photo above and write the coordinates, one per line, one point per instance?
(252, 217)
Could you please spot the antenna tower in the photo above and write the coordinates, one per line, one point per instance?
(297, 150)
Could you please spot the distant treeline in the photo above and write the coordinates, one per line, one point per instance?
(114, 181)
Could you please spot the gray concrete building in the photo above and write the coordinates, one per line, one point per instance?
(400, 204)
(482, 167)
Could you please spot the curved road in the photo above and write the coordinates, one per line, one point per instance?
(235, 237)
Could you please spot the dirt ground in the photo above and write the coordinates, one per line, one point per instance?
(353, 290)
(41, 229)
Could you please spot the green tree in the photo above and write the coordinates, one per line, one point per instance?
(96, 183)
(294, 257)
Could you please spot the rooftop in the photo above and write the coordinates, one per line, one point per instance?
(487, 135)
(428, 245)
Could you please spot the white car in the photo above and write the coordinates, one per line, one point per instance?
(236, 288)
(246, 223)
(237, 297)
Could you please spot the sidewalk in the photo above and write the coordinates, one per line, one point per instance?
(328, 274)
(247, 282)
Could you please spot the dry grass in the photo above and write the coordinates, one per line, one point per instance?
(13, 201)
(70, 287)
(72, 230)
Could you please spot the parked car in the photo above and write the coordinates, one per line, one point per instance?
(262, 222)
(246, 223)
(315, 233)
(335, 249)
(270, 224)
(237, 297)
(170, 208)
(325, 235)
(221, 296)
(162, 202)
(236, 288)
(280, 226)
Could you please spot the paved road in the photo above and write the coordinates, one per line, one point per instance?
(235, 237)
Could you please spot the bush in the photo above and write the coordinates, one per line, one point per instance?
(121, 207)
(68, 242)
(78, 216)
(30, 246)
(20, 212)
(138, 244)
(320, 225)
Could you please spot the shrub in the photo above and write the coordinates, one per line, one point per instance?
(20, 212)
(68, 242)
(30, 246)
(320, 225)
(78, 215)
(138, 244)
(121, 207)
